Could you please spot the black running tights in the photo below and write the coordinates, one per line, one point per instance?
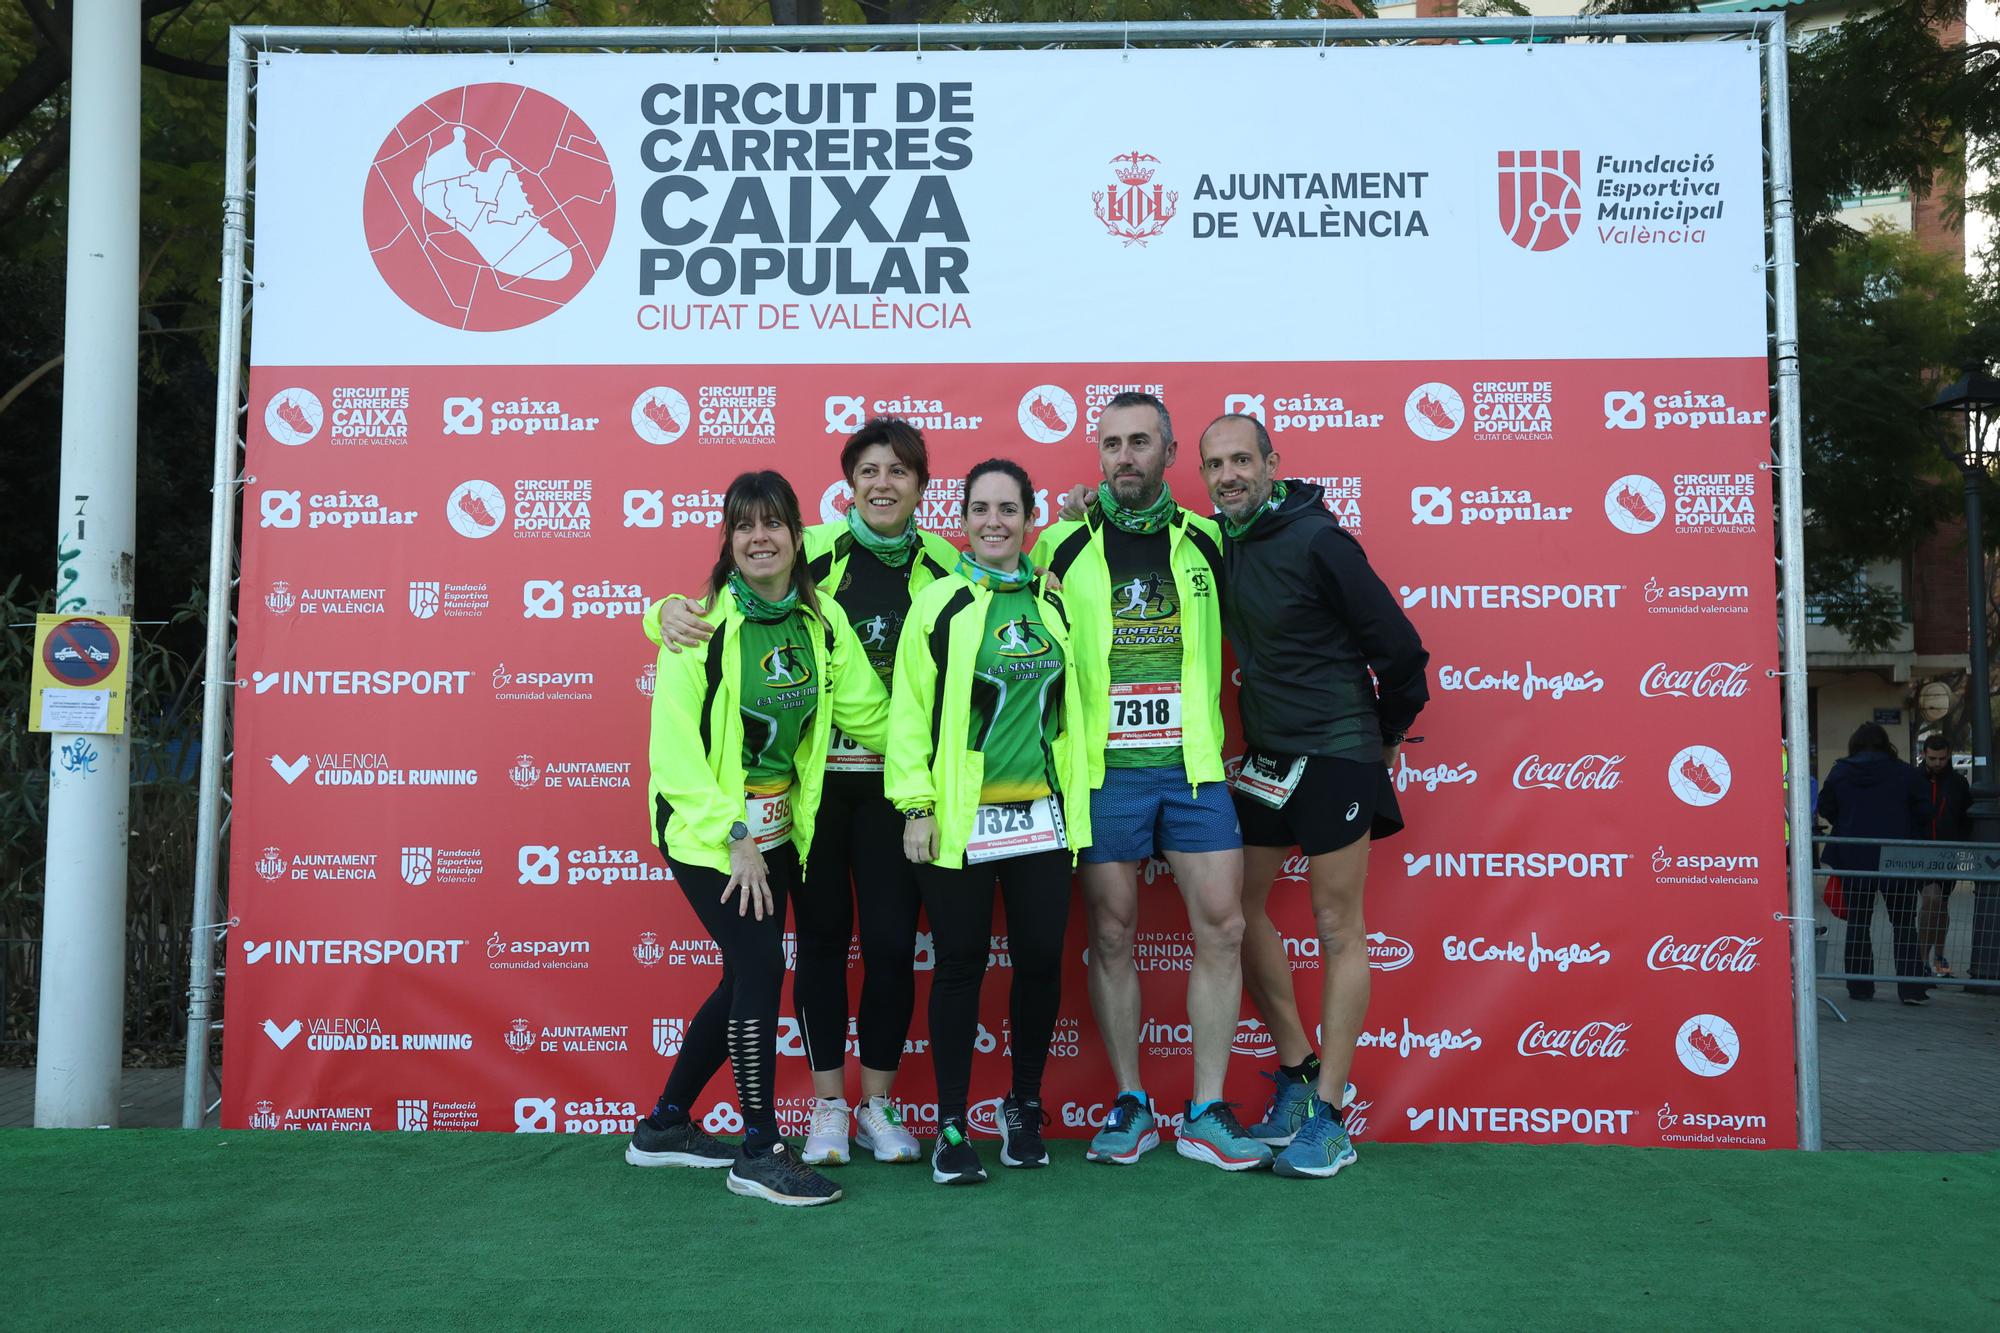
(739, 1021)
(960, 906)
(857, 857)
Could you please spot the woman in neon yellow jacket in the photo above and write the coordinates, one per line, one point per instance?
(982, 764)
(740, 731)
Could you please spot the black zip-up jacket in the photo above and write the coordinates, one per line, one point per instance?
(1309, 620)
(1951, 800)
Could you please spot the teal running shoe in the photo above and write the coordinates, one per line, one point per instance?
(1321, 1147)
(1128, 1134)
(1291, 1103)
(1218, 1138)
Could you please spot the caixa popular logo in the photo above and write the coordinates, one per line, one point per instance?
(1724, 953)
(1541, 196)
(541, 866)
(1134, 207)
(552, 599)
(1596, 1040)
(489, 207)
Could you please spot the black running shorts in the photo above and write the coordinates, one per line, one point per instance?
(1336, 802)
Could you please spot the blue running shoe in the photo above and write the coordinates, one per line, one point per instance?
(1321, 1147)
(1291, 1103)
(1129, 1133)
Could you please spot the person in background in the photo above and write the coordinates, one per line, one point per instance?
(1872, 794)
(1951, 799)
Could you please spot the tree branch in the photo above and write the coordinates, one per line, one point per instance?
(49, 155)
(153, 56)
(31, 86)
(52, 27)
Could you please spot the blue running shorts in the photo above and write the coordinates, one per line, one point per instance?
(1142, 812)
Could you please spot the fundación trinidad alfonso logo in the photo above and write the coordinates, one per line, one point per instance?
(489, 207)
(1541, 196)
(1135, 208)
(294, 416)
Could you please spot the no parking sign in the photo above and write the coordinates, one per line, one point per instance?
(79, 674)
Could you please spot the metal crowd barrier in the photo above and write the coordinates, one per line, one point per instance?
(1895, 897)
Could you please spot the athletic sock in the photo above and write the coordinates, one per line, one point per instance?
(1196, 1110)
(1305, 1071)
(1144, 1102)
(666, 1116)
(758, 1140)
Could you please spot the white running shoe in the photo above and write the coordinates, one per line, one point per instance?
(878, 1128)
(826, 1136)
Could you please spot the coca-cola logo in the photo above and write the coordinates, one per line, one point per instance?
(1295, 870)
(1717, 680)
(1590, 772)
(1724, 953)
(1592, 1041)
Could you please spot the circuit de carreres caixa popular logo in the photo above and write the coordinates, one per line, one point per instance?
(489, 207)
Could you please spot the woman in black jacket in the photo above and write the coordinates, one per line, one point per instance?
(1874, 794)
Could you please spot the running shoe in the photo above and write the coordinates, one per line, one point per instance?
(684, 1144)
(878, 1128)
(1291, 1103)
(1128, 1133)
(778, 1177)
(1940, 967)
(1218, 1138)
(826, 1133)
(1321, 1147)
(1021, 1121)
(954, 1161)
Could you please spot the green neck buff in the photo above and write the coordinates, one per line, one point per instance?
(1235, 529)
(997, 580)
(893, 551)
(757, 608)
(1145, 521)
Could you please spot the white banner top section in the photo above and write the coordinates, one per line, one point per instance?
(849, 208)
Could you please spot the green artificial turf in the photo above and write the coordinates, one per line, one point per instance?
(159, 1228)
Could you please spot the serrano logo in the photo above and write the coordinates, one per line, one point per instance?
(1699, 775)
(1135, 208)
(489, 207)
(1434, 411)
(1047, 414)
(1541, 196)
(1387, 953)
(661, 415)
(1707, 1046)
(1635, 504)
(294, 416)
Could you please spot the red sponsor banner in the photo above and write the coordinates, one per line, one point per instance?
(452, 916)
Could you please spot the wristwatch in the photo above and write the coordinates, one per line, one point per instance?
(738, 831)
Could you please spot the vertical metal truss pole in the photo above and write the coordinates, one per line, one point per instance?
(219, 684)
(1791, 579)
(81, 1028)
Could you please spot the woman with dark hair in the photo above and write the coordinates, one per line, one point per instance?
(1874, 794)
(984, 766)
(740, 733)
(872, 562)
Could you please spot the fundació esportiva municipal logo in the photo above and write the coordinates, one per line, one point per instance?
(1134, 207)
(489, 207)
(1541, 196)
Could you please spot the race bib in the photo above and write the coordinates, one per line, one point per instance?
(1015, 828)
(1145, 716)
(769, 818)
(844, 754)
(1269, 780)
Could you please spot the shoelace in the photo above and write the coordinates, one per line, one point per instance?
(1121, 1115)
(829, 1120)
(792, 1168)
(1226, 1113)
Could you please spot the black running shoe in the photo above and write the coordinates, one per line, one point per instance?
(677, 1145)
(1021, 1121)
(778, 1177)
(954, 1161)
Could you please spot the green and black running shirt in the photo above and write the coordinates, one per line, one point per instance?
(778, 696)
(877, 600)
(1145, 626)
(1016, 701)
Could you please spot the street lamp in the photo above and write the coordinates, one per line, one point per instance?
(1973, 448)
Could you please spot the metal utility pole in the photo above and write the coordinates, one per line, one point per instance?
(81, 1038)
